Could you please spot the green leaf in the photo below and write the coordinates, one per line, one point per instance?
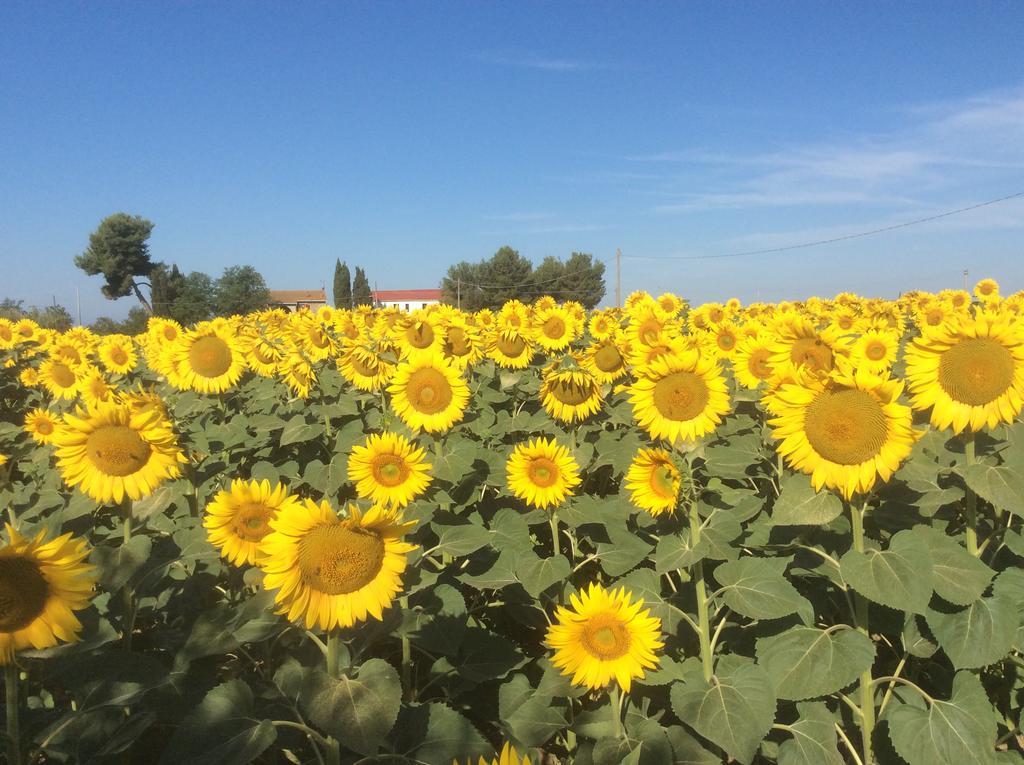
(486, 656)
(957, 576)
(435, 733)
(758, 588)
(979, 635)
(960, 731)
(221, 731)
(800, 505)
(733, 458)
(623, 553)
(537, 574)
(1003, 486)
(531, 717)
(118, 564)
(675, 551)
(359, 711)
(899, 577)
(297, 430)
(686, 750)
(805, 662)
(462, 540)
(735, 711)
(813, 739)
(720, 529)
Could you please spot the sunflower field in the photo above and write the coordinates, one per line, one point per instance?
(656, 535)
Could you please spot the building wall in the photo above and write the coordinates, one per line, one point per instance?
(412, 305)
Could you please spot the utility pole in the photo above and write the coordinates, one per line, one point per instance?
(458, 293)
(965, 281)
(78, 304)
(618, 277)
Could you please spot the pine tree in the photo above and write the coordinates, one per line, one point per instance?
(361, 292)
(342, 285)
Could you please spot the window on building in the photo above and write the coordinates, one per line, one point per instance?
(424, 305)
(406, 306)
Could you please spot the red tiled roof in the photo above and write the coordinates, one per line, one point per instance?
(298, 296)
(397, 296)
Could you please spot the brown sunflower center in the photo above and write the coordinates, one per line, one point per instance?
(608, 359)
(263, 354)
(389, 470)
(650, 331)
(512, 346)
(118, 356)
(420, 335)
(554, 328)
(338, 558)
(456, 343)
(6, 333)
(976, 371)
(663, 481)
(542, 472)
(759, 365)
(726, 340)
(934, 317)
(61, 374)
(875, 350)
(117, 450)
(363, 366)
(605, 637)
(681, 396)
(170, 333)
(209, 356)
(429, 391)
(812, 353)
(23, 593)
(318, 338)
(44, 427)
(846, 426)
(845, 322)
(251, 521)
(572, 393)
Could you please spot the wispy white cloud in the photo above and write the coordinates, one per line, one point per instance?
(945, 147)
(534, 60)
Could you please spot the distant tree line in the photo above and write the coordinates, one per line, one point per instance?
(49, 317)
(350, 291)
(119, 251)
(507, 275)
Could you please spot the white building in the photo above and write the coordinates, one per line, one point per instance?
(406, 300)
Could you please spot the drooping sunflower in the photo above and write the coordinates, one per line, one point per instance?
(389, 470)
(263, 356)
(462, 345)
(237, 519)
(94, 388)
(510, 349)
(653, 481)
(42, 583)
(330, 571)
(428, 393)
(207, 359)
(680, 397)
(41, 425)
(419, 333)
(800, 344)
(605, 637)
(875, 350)
(846, 430)
(117, 354)
(970, 371)
(297, 373)
(569, 392)
(542, 472)
(111, 452)
(364, 365)
(508, 756)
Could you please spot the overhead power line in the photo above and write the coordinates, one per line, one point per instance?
(833, 240)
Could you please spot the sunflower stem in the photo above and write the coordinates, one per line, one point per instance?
(703, 621)
(127, 592)
(553, 522)
(333, 654)
(615, 702)
(867, 691)
(408, 690)
(11, 681)
(971, 500)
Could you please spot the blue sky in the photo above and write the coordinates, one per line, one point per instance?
(407, 136)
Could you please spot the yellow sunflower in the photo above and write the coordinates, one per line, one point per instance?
(602, 324)
(554, 328)
(297, 373)
(263, 357)
(334, 572)
(29, 377)
(117, 354)
(680, 397)
(987, 291)
(511, 349)
(42, 583)
(508, 756)
(605, 637)
(419, 333)
(389, 470)
(751, 365)
(94, 388)
(237, 519)
(875, 350)
(969, 371)
(605, 361)
(542, 472)
(462, 345)
(207, 359)
(8, 337)
(60, 378)
(569, 392)
(41, 425)
(110, 452)
(800, 344)
(428, 393)
(846, 431)
(364, 365)
(653, 481)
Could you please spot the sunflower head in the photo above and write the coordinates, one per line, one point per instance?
(680, 397)
(389, 469)
(569, 392)
(542, 472)
(605, 637)
(238, 518)
(428, 393)
(654, 480)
